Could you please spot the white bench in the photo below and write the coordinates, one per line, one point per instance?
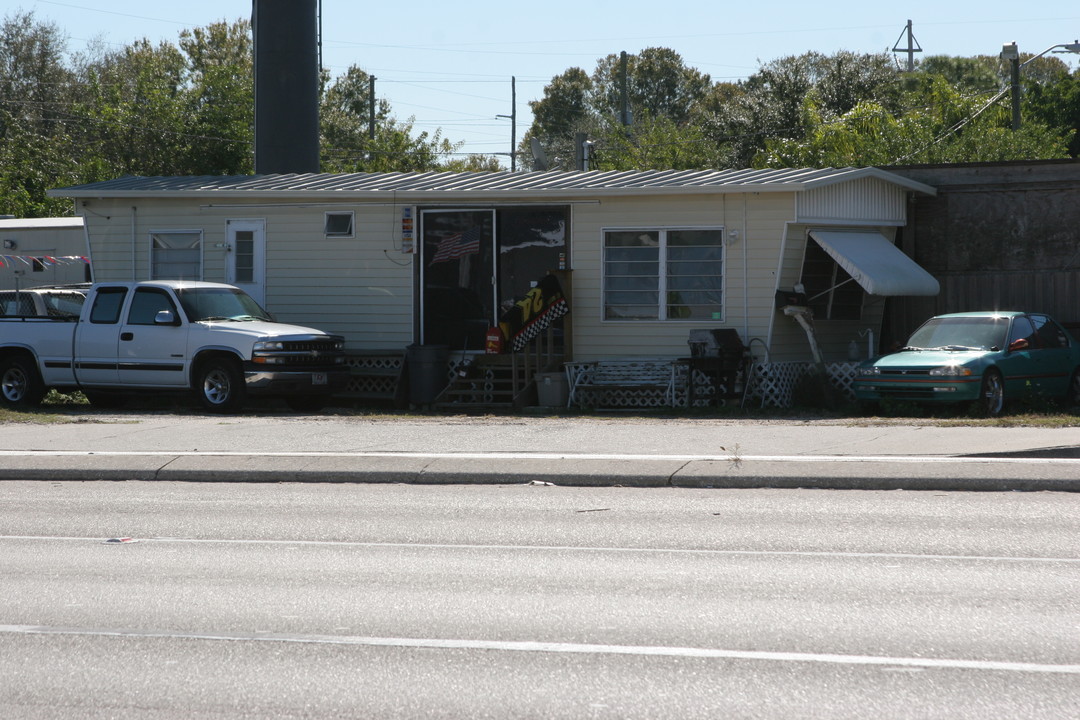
(630, 382)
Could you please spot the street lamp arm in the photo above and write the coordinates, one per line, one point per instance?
(1073, 47)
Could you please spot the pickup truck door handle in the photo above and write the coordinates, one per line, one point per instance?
(127, 336)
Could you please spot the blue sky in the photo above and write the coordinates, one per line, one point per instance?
(449, 65)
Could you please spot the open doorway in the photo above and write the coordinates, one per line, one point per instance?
(476, 263)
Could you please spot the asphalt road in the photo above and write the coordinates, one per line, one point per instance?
(534, 601)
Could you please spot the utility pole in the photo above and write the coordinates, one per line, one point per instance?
(371, 107)
(911, 49)
(1011, 52)
(624, 100)
(513, 123)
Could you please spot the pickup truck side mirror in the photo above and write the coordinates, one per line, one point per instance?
(165, 317)
(1021, 344)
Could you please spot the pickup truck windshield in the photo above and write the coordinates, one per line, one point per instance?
(201, 304)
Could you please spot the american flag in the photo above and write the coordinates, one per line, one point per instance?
(458, 245)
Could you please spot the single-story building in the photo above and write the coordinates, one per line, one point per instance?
(393, 260)
(43, 251)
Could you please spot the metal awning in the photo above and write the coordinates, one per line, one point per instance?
(875, 263)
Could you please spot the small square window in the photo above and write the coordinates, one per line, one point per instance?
(339, 224)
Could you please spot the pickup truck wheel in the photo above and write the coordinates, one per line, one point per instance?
(219, 386)
(20, 383)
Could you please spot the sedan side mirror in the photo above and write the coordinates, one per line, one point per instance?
(1021, 344)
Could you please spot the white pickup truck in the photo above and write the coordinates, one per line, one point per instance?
(209, 339)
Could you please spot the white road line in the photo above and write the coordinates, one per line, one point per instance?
(560, 548)
(497, 455)
(555, 647)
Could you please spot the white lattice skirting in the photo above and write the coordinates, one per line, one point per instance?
(769, 385)
(773, 384)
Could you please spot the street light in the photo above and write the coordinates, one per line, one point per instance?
(1010, 52)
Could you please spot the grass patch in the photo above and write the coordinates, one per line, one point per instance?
(54, 409)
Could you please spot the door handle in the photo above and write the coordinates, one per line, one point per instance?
(127, 336)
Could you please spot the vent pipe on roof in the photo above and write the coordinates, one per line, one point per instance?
(286, 86)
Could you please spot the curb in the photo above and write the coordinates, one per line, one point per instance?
(839, 473)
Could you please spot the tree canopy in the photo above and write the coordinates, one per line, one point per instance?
(844, 109)
(186, 108)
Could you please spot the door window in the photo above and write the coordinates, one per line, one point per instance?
(107, 303)
(146, 304)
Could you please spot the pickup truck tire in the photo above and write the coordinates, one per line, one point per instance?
(219, 385)
(20, 382)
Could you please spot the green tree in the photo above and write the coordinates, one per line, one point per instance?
(772, 102)
(658, 84)
(952, 127)
(135, 114)
(35, 96)
(565, 105)
(662, 95)
(1056, 104)
(220, 98)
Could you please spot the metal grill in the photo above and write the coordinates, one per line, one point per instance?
(319, 346)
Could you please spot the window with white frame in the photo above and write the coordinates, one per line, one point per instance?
(176, 255)
(338, 224)
(664, 274)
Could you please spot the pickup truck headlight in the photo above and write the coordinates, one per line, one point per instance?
(870, 371)
(951, 371)
(269, 345)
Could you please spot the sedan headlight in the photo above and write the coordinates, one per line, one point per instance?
(951, 371)
(869, 371)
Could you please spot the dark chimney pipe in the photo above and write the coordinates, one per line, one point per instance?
(286, 86)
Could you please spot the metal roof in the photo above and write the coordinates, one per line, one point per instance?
(484, 184)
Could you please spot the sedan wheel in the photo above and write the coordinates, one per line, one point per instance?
(1072, 395)
(992, 395)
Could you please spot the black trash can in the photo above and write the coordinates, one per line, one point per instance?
(428, 368)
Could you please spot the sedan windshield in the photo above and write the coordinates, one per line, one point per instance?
(220, 304)
(960, 333)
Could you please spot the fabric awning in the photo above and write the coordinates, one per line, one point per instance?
(875, 263)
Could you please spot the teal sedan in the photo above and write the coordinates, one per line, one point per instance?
(984, 358)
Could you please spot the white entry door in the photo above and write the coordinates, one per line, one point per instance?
(247, 257)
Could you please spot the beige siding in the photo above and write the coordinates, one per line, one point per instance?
(38, 241)
(360, 287)
(363, 287)
(758, 220)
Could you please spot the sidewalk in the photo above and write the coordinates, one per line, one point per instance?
(623, 451)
